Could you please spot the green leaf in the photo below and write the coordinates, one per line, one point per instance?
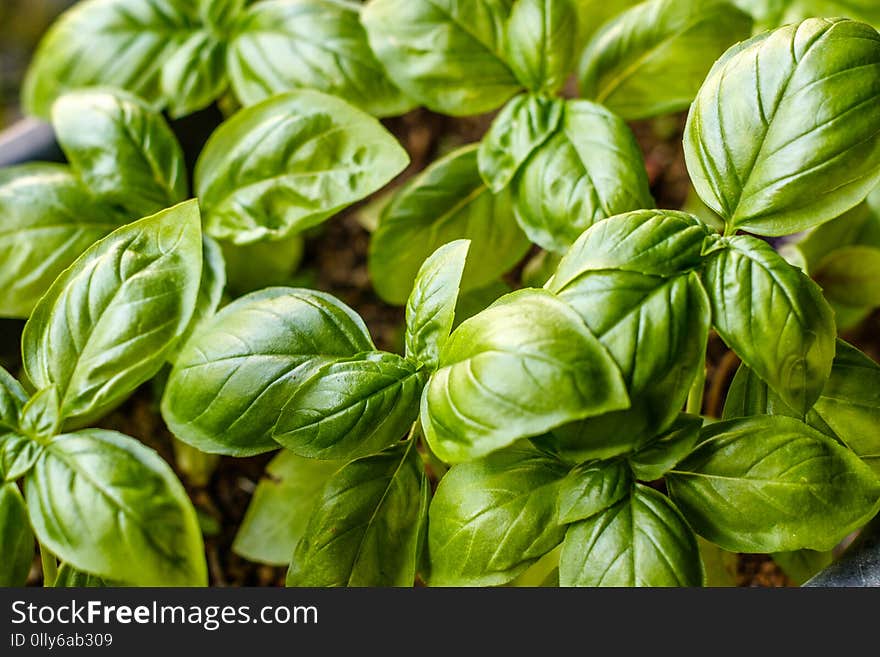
(117, 43)
(289, 163)
(366, 525)
(17, 455)
(16, 538)
(641, 541)
(476, 301)
(49, 219)
(662, 454)
(849, 276)
(541, 40)
(652, 59)
(279, 510)
(492, 518)
(590, 169)
(352, 408)
(282, 45)
(522, 126)
(430, 309)
(40, 417)
(757, 300)
(239, 369)
(773, 484)
(848, 408)
(861, 10)
(783, 134)
(12, 399)
(523, 366)
(194, 76)
(107, 323)
(593, 14)
(123, 150)
(801, 565)
(108, 505)
(251, 267)
(210, 289)
(591, 488)
(446, 54)
(445, 202)
(70, 577)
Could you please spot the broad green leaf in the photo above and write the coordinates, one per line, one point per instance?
(280, 45)
(759, 300)
(848, 408)
(801, 565)
(448, 55)
(16, 538)
(522, 126)
(17, 455)
(430, 309)
(541, 40)
(194, 76)
(773, 484)
(523, 366)
(641, 541)
(492, 518)
(12, 399)
(251, 267)
(279, 510)
(590, 169)
(593, 487)
(352, 407)
(290, 162)
(860, 10)
(41, 417)
(106, 325)
(118, 43)
(236, 372)
(851, 276)
(111, 506)
(47, 219)
(123, 150)
(785, 131)
(210, 288)
(652, 59)
(445, 202)
(70, 577)
(366, 525)
(662, 454)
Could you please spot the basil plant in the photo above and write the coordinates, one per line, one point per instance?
(104, 504)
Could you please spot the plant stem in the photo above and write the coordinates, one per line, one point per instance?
(695, 396)
(50, 567)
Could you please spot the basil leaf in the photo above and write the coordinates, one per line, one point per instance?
(445, 202)
(17, 455)
(848, 408)
(641, 541)
(590, 169)
(801, 565)
(279, 510)
(280, 45)
(41, 417)
(366, 525)
(591, 488)
(492, 518)
(117, 43)
(290, 162)
(862, 10)
(221, 15)
(541, 38)
(662, 454)
(108, 322)
(523, 125)
(194, 76)
(49, 219)
(111, 506)
(12, 399)
(523, 366)
(211, 289)
(757, 300)
(16, 538)
(430, 309)
(593, 14)
(849, 276)
(351, 408)
(251, 267)
(70, 577)
(234, 375)
(476, 301)
(447, 55)
(783, 133)
(773, 484)
(652, 59)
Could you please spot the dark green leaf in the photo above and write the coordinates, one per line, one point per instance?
(849, 276)
(641, 541)
(773, 484)
(12, 399)
(591, 488)
(240, 367)
(251, 267)
(662, 454)
(541, 40)
(17, 455)
(194, 76)
(16, 538)
(492, 518)
(108, 505)
(366, 524)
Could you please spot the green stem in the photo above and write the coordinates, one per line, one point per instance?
(50, 567)
(695, 396)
